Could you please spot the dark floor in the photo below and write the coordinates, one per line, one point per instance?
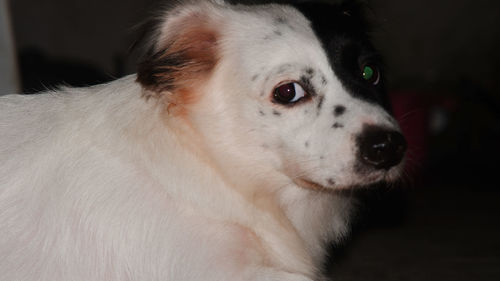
(449, 233)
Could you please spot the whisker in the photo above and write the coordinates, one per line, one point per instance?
(409, 114)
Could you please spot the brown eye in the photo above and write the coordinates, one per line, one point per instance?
(371, 74)
(288, 93)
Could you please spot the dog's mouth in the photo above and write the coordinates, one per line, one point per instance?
(369, 180)
(311, 185)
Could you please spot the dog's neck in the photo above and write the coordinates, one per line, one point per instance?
(268, 201)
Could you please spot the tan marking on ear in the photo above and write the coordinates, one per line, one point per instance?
(181, 61)
(196, 49)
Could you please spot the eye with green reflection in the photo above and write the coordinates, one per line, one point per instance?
(371, 74)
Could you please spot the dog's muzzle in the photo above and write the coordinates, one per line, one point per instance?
(381, 148)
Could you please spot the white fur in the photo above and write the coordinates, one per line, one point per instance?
(103, 184)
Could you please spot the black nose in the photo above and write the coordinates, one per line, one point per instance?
(381, 148)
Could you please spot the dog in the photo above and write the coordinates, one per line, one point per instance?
(225, 157)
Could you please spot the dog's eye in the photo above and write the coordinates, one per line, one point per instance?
(289, 93)
(371, 74)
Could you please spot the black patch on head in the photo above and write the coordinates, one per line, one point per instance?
(337, 125)
(338, 110)
(342, 30)
(276, 113)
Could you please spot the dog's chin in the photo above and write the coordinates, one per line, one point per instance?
(380, 177)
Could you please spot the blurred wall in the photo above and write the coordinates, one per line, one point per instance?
(434, 44)
(8, 67)
(97, 32)
(427, 44)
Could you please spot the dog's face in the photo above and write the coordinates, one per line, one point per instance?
(296, 91)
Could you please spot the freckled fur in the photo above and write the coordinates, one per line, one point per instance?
(324, 82)
(321, 99)
(280, 20)
(337, 125)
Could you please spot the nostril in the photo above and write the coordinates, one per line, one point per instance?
(381, 148)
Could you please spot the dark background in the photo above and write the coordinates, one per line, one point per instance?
(443, 59)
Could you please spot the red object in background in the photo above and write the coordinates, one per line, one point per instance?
(412, 111)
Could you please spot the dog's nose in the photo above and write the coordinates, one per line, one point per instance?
(381, 148)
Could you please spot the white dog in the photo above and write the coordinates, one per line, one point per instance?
(222, 159)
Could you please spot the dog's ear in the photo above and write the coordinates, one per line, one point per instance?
(183, 50)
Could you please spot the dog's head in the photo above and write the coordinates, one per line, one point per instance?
(289, 93)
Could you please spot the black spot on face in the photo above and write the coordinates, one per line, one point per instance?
(276, 113)
(262, 113)
(338, 110)
(320, 103)
(306, 83)
(307, 75)
(337, 125)
(330, 181)
(306, 144)
(322, 157)
(324, 82)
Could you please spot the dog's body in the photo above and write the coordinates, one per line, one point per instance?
(200, 167)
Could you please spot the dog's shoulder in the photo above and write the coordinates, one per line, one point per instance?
(64, 117)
